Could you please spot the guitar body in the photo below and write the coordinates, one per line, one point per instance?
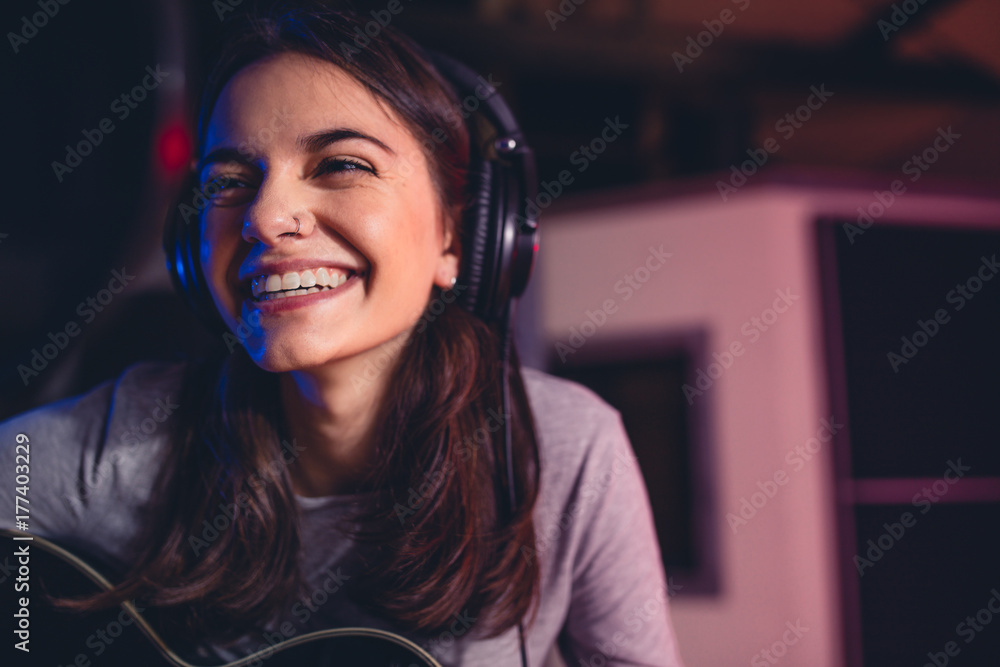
(123, 635)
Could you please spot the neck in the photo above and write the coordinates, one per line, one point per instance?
(332, 414)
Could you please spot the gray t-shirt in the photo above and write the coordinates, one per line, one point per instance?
(603, 594)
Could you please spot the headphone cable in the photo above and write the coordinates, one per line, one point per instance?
(506, 334)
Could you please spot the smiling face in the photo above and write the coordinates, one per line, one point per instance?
(296, 143)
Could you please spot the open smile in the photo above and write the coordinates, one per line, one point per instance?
(269, 287)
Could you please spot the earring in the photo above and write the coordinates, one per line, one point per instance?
(454, 281)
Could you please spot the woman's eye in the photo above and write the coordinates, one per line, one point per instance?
(228, 189)
(341, 164)
(223, 183)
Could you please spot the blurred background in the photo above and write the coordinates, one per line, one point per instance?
(769, 234)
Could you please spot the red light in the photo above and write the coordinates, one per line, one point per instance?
(174, 147)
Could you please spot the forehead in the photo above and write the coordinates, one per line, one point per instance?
(294, 94)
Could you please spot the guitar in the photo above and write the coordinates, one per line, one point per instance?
(123, 636)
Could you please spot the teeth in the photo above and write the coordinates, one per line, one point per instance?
(294, 283)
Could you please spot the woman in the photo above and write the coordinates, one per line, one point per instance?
(341, 467)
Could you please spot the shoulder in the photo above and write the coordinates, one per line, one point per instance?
(571, 421)
(84, 418)
(144, 394)
(580, 438)
(92, 456)
(562, 405)
(594, 534)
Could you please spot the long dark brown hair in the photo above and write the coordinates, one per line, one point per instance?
(454, 549)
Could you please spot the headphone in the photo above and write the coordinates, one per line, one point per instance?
(500, 222)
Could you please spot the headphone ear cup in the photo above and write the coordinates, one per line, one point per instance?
(477, 276)
(521, 234)
(176, 242)
(500, 231)
(181, 241)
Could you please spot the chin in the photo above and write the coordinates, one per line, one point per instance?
(277, 358)
(272, 365)
(281, 354)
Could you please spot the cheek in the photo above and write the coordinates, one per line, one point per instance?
(424, 235)
(216, 252)
(209, 252)
(414, 256)
(402, 236)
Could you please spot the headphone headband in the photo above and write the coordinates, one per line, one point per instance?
(503, 181)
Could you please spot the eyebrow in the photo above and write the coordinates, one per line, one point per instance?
(311, 143)
(319, 140)
(225, 154)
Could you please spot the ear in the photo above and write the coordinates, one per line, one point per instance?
(451, 251)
